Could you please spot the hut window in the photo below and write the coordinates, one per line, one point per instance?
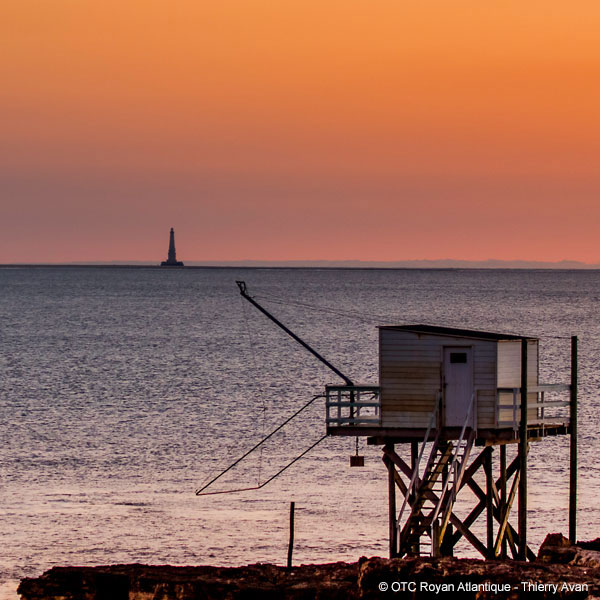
(458, 357)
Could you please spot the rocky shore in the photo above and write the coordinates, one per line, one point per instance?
(562, 570)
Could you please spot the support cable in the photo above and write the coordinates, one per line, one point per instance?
(260, 390)
(199, 491)
(262, 485)
(376, 318)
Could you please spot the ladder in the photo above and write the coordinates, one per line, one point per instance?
(423, 503)
(433, 498)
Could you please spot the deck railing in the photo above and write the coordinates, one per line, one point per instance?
(548, 411)
(352, 405)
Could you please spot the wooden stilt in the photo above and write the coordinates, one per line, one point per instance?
(414, 456)
(393, 526)
(489, 501)
(573, 452)
(446, 545)
(523, 456)
(503, 509)
(512, 534)
(493, 501)
(501, 540)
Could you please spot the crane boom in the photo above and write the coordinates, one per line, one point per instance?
(244, 293)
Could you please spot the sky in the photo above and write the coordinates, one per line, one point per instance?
(299, 130)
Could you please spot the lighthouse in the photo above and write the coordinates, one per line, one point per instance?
(172, 257)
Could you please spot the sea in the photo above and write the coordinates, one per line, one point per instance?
(125, 390)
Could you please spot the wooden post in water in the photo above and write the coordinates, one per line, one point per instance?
(291, 545)
(573, 453)
(523, 456)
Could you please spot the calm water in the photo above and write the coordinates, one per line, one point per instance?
(123, 390)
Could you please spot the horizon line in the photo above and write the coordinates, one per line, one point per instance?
(448, 263)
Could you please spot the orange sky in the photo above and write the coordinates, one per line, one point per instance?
(287, 129)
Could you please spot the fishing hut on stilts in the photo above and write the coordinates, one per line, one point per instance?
(453, 397)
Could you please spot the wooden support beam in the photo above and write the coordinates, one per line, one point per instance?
(399, 482)
(504, 514)
(482, 496)
(511, 533)
(495, 494)
(468, 534)
(512, 468)
(477, 490)
(446, 545)
(414, 454)
(414, 463)
(388, 450)
(489, 501)
(471, 518)
(497, 506)
(523, 456)
(511, 543)
(393, 525)
(503, 506)
(498, 515)
(573, 448)
(472, 469)
(391, 459)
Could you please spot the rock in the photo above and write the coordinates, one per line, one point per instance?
(335, 581)
(562, 570)
(557, 549)
(425, 578)
(593, 545)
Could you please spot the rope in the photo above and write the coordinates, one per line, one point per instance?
(260, 390)
(258, 487)
(199, 491)
(376, 318)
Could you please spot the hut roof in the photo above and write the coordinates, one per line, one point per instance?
(454, 332)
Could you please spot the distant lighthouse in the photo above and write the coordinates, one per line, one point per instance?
(171, 258)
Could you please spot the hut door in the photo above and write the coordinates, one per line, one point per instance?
(458, 385)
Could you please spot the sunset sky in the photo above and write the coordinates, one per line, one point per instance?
(299, 129)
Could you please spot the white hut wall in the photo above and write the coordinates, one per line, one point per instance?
(509, 376)
(410, 376)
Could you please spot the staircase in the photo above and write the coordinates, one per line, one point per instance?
(424, 502)
(432, 498)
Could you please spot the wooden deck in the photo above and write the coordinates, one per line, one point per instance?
(379, 436)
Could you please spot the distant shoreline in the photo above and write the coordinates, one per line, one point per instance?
(328, 266)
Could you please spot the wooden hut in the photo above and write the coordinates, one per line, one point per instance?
(444, 391)
(457, 377)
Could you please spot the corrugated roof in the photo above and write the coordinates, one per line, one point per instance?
(452, 331)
